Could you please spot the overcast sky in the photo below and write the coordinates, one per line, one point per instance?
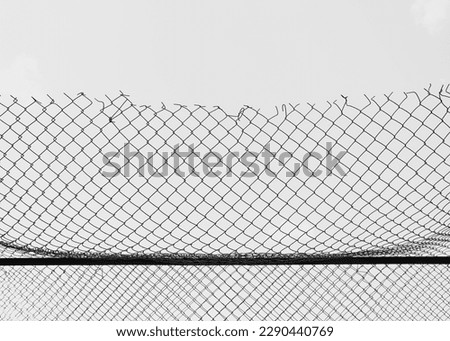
(228, 53)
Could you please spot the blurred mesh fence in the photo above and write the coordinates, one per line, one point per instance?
(269, 292)
(97, 179)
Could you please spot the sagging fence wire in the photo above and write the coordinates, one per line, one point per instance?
(58, 199)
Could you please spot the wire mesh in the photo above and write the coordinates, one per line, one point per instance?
(195, 182)
(268, 292)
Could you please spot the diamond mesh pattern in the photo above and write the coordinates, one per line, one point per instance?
(286, 292)
(393, 200)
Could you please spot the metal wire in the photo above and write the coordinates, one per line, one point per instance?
(392, 201)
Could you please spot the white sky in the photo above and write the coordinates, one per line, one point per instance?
(229, 53)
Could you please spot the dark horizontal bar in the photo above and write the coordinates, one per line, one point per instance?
(223, 260)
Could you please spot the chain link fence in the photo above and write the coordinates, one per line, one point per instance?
(268, 292)
(109, 179)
